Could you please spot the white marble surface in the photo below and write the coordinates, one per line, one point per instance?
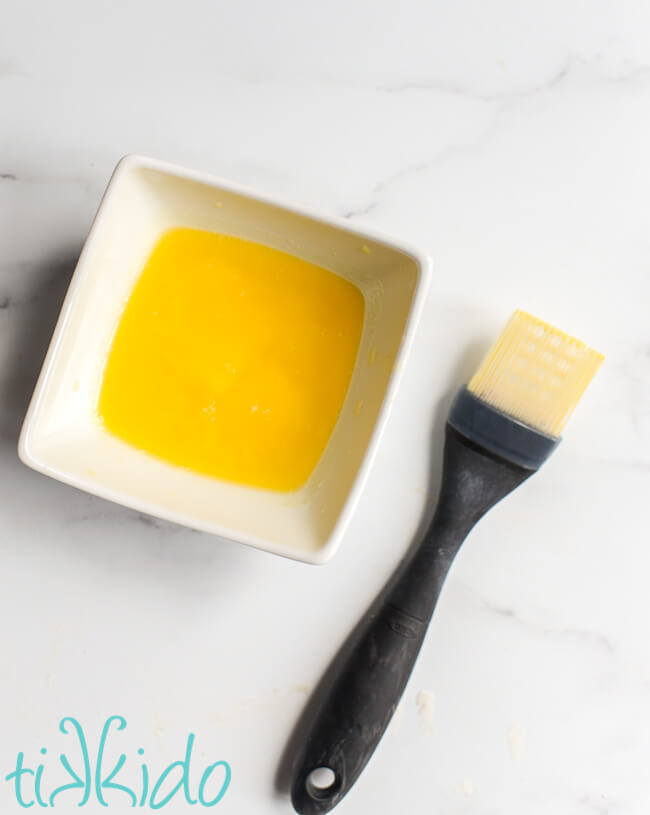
(512, 142)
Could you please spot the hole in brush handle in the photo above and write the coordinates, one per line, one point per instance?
(322, 783)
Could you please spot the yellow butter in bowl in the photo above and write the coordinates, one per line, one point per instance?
(232, 359)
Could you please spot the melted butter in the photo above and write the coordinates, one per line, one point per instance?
(232, 359)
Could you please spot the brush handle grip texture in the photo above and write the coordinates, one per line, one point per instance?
(369, 682)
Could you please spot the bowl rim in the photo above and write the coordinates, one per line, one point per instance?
(326, 551)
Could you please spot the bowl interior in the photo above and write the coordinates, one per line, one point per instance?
(62, 435)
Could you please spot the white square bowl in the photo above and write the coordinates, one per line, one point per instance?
(63, 438)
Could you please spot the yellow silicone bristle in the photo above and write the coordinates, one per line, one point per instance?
(535, 373)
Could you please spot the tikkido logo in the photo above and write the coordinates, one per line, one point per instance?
(112, 781)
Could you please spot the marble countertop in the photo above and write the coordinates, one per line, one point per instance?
(511, 142)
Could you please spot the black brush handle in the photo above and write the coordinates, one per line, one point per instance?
(364, 693)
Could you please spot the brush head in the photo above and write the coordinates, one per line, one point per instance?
(535, 373)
